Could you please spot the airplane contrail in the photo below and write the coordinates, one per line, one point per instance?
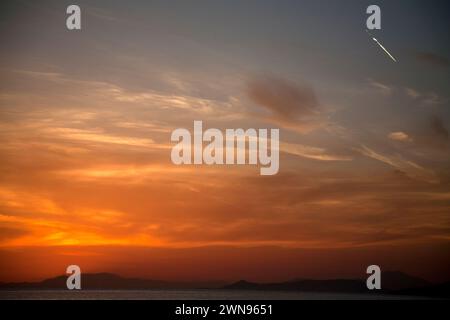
(382, 47)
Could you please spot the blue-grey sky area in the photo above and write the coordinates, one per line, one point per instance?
(364, 140)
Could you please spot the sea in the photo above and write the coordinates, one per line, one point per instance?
(191, 294)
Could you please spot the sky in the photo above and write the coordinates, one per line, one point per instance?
(86, 117)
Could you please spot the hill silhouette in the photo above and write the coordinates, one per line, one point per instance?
(109, 281)
(397, 280)
(338, 285)
(393, 282)
(434, 291)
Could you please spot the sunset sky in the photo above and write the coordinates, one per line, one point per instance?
(86, 117)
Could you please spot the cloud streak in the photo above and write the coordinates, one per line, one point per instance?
(311, 152)
(433, 59)
(410, 168)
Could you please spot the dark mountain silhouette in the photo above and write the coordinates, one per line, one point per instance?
(435, 291)
(396, 280)
(393, 282)
(338, 285)
(108, 281)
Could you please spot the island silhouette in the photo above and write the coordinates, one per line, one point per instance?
(393, 282)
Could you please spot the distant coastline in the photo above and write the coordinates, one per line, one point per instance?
(394, 283)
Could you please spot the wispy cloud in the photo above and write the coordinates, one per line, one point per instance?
(413, 94)
(283, 98)
(384, 89)
(411, 169)
(433, 59)
(399, 136)
(311, 152)
(426, 98)
(98, 137)
(290, 105)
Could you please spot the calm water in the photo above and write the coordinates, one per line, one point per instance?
(197, 294)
